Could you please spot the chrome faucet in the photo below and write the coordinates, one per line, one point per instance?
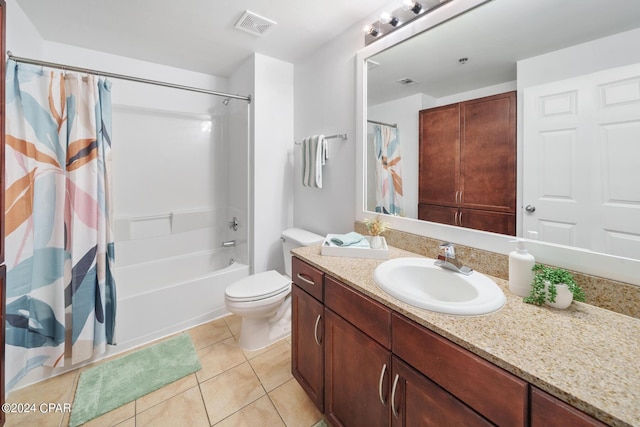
(449, 261)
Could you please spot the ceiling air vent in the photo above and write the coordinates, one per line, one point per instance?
(255, 24)
(407, 81)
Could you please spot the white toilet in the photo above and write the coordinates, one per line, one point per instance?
(263, 300)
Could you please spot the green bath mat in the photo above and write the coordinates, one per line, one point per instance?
(122, 380)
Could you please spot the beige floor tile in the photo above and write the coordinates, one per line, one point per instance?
(131, 422)
(218, 358)
(250, 354)
(274, 366)
(234, 322)
(260, 413)
(184, 409)
(114, 417)
(209, 333)
(294, 406)
(230, 391)
(166, 392)
(58, 389)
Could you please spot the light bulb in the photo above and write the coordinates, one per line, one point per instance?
(412, 5)
(387, 18)
(371, 30)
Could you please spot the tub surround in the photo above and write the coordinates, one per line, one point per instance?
(585, 355)
(609, 294)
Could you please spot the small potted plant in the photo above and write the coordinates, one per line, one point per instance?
(553, 286)
(376, 226)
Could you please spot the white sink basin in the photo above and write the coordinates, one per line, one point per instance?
(417, 281)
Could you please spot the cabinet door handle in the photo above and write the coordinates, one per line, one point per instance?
(305, 279)
(460, 218)
(315, 330)
(457, 197)
(384, 369)
(455, 218)
(396, 413)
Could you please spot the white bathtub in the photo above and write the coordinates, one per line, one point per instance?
(168, 295)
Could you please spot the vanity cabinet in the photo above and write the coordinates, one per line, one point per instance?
(377, 367)
(307, 330)
(548, 411)
(497, 395)
(467, 165)
(357, 358)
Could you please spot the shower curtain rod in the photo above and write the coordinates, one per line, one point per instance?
(382, 123)
(124, 77)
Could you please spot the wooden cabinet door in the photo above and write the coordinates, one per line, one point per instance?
(307, 344)
(439, 214)
(357, 376)
(548, 411)
(418, 401)
(488, 153)
(495, 222)
(439, 168)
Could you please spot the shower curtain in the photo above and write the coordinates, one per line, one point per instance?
(388, 170)
(59, 246)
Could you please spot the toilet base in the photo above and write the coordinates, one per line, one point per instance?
(257, 333)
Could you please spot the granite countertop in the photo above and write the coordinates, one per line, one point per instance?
(586, 356)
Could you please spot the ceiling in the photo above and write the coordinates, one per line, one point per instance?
(197, 35)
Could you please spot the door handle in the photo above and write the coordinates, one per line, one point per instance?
(396, 413)
(315, 330)
(530, 208)
(305, 279)
(384, 369)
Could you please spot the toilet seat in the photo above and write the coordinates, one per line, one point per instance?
(258, 287)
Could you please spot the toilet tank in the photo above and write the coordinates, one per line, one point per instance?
(295, 238)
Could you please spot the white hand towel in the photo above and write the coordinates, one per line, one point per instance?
(314, 156)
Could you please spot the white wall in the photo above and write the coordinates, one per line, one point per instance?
(22, 37)
(598, 55)
(325, 104)
(272, 159)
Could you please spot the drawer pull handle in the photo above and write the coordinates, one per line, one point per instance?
(396, 413)
(384, 369)
(305, 279)
(315, 330)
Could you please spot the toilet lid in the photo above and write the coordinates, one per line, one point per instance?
(258, 286)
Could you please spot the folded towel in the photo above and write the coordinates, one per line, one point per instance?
(314, 156)
(350, 239)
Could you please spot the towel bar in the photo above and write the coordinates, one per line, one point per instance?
(338, 135)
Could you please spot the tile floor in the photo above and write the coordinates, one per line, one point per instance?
(233, 388)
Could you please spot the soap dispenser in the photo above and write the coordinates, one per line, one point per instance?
(521, 265)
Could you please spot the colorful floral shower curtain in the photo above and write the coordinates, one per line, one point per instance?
(388, 170)
(59, 248)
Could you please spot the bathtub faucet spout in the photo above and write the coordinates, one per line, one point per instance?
(228, 244)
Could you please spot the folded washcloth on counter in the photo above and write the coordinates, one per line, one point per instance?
(352, 239)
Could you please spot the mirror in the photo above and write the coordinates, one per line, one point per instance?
(541, 50)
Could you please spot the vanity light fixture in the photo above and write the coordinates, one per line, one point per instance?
(409, 10)
(387, 18)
